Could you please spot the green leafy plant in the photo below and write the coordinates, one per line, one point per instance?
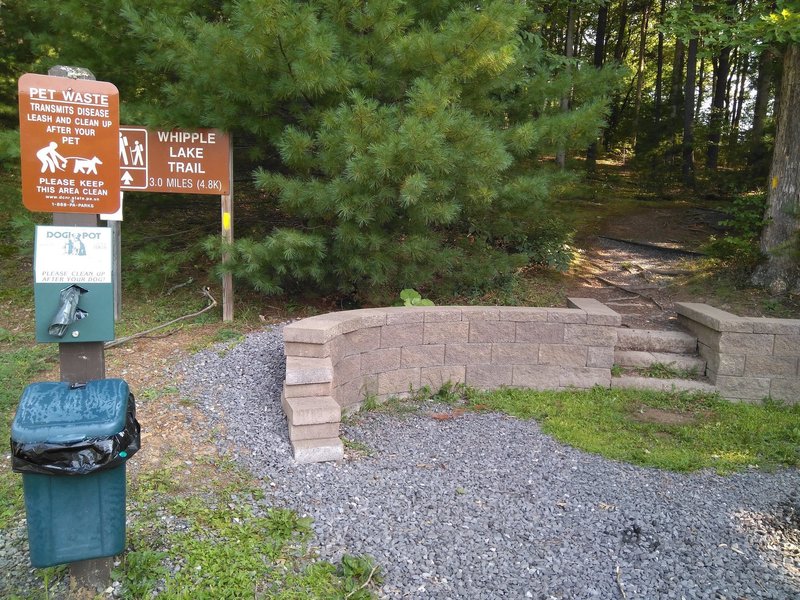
(400, 142)
(358, 447)
(411, 297)
(451, 393)
(666, 371)
(152, 266)
(738, 247)
(140, 572)
(358, 572)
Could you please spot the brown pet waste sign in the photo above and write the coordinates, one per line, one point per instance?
(69, 144)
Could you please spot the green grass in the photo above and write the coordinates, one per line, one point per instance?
(231, 545)
(710, 432)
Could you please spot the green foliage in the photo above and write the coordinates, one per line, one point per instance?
(666, 371)
(139, 573)
(781, 25)
(154, 265)
(9, 146)
(399, 140)
(411, 297)
(705, 431)
(356, 572)
(230, 547)
(739, 246)
(450, 393)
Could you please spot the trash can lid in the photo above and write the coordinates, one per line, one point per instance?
(61, 412)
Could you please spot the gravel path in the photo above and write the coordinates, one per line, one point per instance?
(486, 506)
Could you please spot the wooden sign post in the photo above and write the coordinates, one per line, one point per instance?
(69, 126)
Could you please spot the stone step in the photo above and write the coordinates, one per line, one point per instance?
(664, 385)
(651, 340)
(313, 432)
(305, 370)
(319, 450)
(312, 410)
(638, 358)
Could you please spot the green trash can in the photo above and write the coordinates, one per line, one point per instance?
(71, 443)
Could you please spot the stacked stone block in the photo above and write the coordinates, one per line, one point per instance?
(335, 361)
(749, 358)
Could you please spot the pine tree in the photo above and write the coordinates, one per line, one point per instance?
(399, 138)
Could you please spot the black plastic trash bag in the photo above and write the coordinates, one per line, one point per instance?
(68, 311)
(81, 457)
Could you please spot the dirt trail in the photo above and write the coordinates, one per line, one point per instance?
(632, 262)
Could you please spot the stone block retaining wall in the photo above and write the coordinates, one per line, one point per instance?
(334, 361)
(749, 358)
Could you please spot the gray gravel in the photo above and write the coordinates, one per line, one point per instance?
(487, 506)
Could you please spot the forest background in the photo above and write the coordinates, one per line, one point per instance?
(393, 144)
(453, 147)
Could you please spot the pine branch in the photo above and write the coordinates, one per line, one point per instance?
(291, 71)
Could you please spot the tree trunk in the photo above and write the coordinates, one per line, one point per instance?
(701, 83)
(730, 91)
(779, 239)
(619, 46)
(599, 56)
(640, 71)
(718, 107)
(763, 83)
(688, 114)
(561, 154)
(676, 81)
(659, 65)
(741, 85)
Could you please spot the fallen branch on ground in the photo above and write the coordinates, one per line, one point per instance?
(180, 285)
(625, 288)
(619, 585)
(363, 585)
(212, 303)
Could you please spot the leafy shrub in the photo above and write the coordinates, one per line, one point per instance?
(9, 147)
(738, 247)
(155, 264)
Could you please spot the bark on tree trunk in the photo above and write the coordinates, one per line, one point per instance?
(701, 83)
(660, 65)
(688, 114)
(561, 154)
(676, 81)
(763, 83)
(640, 72)
(779, 239)
(718, 107)
(736, 117)
(599, 56)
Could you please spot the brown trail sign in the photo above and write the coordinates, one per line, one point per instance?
(68, 144)
(174, 161)
(181, 161)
